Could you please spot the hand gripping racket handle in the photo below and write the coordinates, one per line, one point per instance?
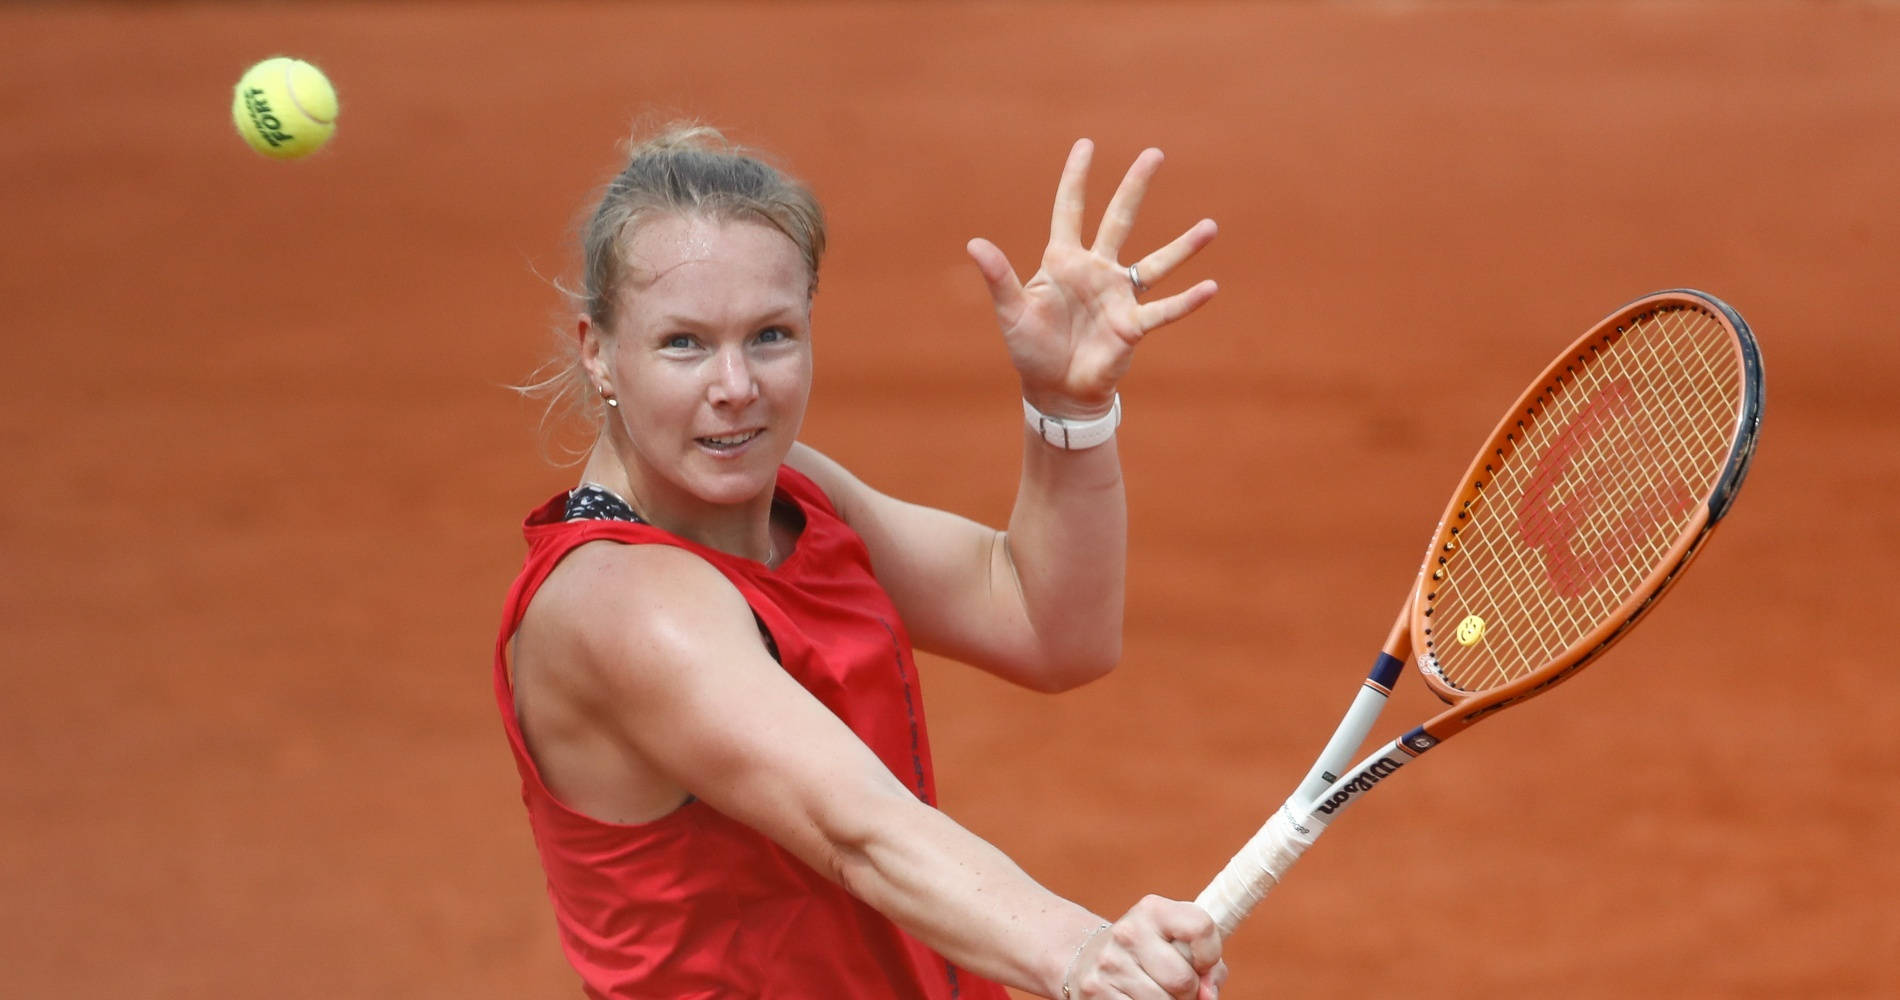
(1257, 868)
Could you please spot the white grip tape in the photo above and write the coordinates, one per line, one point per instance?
(1256, 869)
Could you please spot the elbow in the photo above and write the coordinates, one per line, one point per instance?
(852, 869)
(854, 841)
(1077, 669)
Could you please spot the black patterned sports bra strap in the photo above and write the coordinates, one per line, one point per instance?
(588, 502)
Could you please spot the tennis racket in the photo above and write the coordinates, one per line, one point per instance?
(1591, 497)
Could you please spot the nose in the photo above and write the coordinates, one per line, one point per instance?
(732, 379)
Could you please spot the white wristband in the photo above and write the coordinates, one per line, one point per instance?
(1075, 435)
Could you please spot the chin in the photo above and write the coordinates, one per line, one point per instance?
(734, 486)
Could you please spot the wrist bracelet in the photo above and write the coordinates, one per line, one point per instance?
(1074, 435)
(1070, 971)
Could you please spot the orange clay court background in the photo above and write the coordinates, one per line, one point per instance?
(263, 481)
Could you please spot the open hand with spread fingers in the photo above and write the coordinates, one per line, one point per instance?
(1072, 328)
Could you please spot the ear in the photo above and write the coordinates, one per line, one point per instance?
(593, 349)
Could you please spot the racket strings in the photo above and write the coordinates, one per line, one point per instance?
(1585, 496)
(1665, 463)
(1613, 448)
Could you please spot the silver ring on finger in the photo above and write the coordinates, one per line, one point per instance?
(1134, 278)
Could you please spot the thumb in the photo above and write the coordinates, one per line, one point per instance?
(1006, 292)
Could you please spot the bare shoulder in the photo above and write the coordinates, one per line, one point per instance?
(848, 494)
(610, 607)
(643, 678)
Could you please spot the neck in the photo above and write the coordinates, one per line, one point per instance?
(741, 529)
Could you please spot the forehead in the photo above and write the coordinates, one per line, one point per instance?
(703, 262)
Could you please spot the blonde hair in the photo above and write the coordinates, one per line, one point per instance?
(685, 168)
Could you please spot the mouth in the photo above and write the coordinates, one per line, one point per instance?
(729, 442)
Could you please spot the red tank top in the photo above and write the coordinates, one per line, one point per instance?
(695, 904)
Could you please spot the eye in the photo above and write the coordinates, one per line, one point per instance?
(774, 334)
(677, 342)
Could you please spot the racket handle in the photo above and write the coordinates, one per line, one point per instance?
(1256, 869)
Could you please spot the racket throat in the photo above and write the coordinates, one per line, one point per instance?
(1367, 774)
(1358, 720)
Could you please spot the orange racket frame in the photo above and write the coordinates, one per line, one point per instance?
(1325, 792)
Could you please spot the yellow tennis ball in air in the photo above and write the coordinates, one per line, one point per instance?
(285, 108)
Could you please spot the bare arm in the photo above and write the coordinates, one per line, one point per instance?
(677, 674)
(965, 592)
(1041, 602)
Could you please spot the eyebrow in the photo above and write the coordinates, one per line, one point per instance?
(762, 317)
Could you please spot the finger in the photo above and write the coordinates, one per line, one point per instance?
(1154, 315)
(1212, 982)
(1151, 962)
(1119, 218)
(1006, 292)
(1165, 967)
(1065, 227)
(1159, 264)
(1191, 930)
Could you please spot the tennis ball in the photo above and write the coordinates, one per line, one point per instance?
(285, 108)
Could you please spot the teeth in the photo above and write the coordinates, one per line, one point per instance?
(728, 442)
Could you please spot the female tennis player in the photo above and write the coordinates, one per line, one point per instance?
(705, 667)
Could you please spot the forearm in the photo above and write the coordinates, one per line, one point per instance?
(964, 898)
(1067, 549)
